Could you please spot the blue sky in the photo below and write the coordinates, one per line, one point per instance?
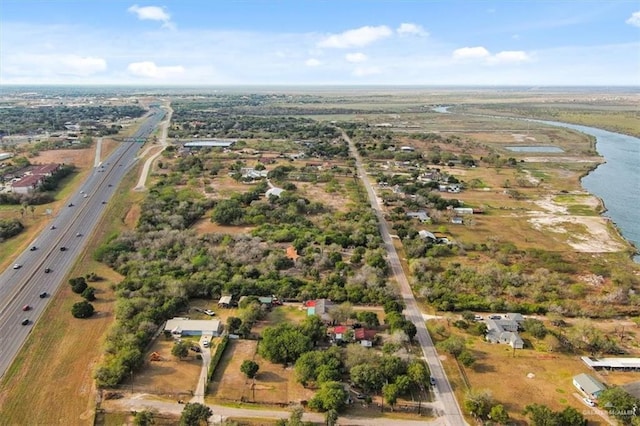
(330, 42)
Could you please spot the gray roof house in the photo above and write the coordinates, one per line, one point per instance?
(504, 331)
(186, 327)
(589, 385)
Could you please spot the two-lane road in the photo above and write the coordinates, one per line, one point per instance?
(444, 393)
(58, 246)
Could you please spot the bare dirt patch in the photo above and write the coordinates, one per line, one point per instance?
(78, 157)
(274, 384)
(205, 226)
(169, 376)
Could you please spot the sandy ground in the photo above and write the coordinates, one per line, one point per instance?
(597, 236)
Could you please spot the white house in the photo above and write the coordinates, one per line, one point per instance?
(187, 327)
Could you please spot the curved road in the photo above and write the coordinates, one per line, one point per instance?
(73, 224)
(444, 394)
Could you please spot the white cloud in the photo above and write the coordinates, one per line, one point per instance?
(366, 71)
(510, 56)
(355, 57)
(634, 19)
(356, 38)
(478, 52)
(149, 69)
(411, 29)
(152, 13)
(312, 62)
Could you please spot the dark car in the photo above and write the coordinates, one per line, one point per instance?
(47, 270)
(104, 202)
(53, 227)
(63, 248)
(25, 322)
(70, 204)
(109, 185)
(196, 348)
(43, 295)
(33, 248)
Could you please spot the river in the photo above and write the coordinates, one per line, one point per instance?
(616, 182)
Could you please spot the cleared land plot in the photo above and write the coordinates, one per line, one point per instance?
(169, 376)
(274, 385)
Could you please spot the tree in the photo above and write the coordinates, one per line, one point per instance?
(454, 345)
(466, 358)
(478, 403)
(535, 327)
(498, 414)
(313, 327)
(195, 414)
(331, 417)
(341, 313)
(619, 402)
(417, 372)
(78, 285)
(571, 417)
(228, 212)
(368, 318)
(180, 349)
(331, 396)
(249, 368)
(368, 377)
(89, 294)
(409, 328)
(541, 415)
(233, 324)
(284, 343)
(143, 418)
(390, 393)
(82, 309)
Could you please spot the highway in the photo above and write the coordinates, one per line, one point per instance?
(71, 228)
(444, 393)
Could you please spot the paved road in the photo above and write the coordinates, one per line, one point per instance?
(444, 394)
(163, 143)
(73, 225)
(141, 402)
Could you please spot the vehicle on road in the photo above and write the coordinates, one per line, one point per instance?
(63, 248)
(53, 227)
(85, 196)
(47, 270)
(17, 266)
(205, 343)
(104, 202)
(209, 312)
(26, 307)
(43, 295)
(33, 248)
(78, 234)
(70, 204)
(589, 402)
(25, 321)
(432, 380)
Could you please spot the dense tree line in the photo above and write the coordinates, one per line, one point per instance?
(10, 228)
(23, 120)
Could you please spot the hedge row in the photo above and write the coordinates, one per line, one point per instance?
(218, 355)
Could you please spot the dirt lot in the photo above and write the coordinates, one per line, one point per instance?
(170, 376)
(274, 385)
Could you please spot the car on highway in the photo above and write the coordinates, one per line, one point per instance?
(47, 270)
(85, 196)
(104, 202)
(53, 227)
(26, 307)
(109, 185)
(70, 204)
(78, 234)
(17, 266)
(63, 248)
(43, 295)
(33, 248)
(25, 321)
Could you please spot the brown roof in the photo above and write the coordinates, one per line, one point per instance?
(30, 181)
(364, 334)
(44, 169)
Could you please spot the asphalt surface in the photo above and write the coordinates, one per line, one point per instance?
(73, 225)
(443, 391)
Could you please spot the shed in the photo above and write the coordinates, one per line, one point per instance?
(225, 301)
(589, 385)
(276, 192)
